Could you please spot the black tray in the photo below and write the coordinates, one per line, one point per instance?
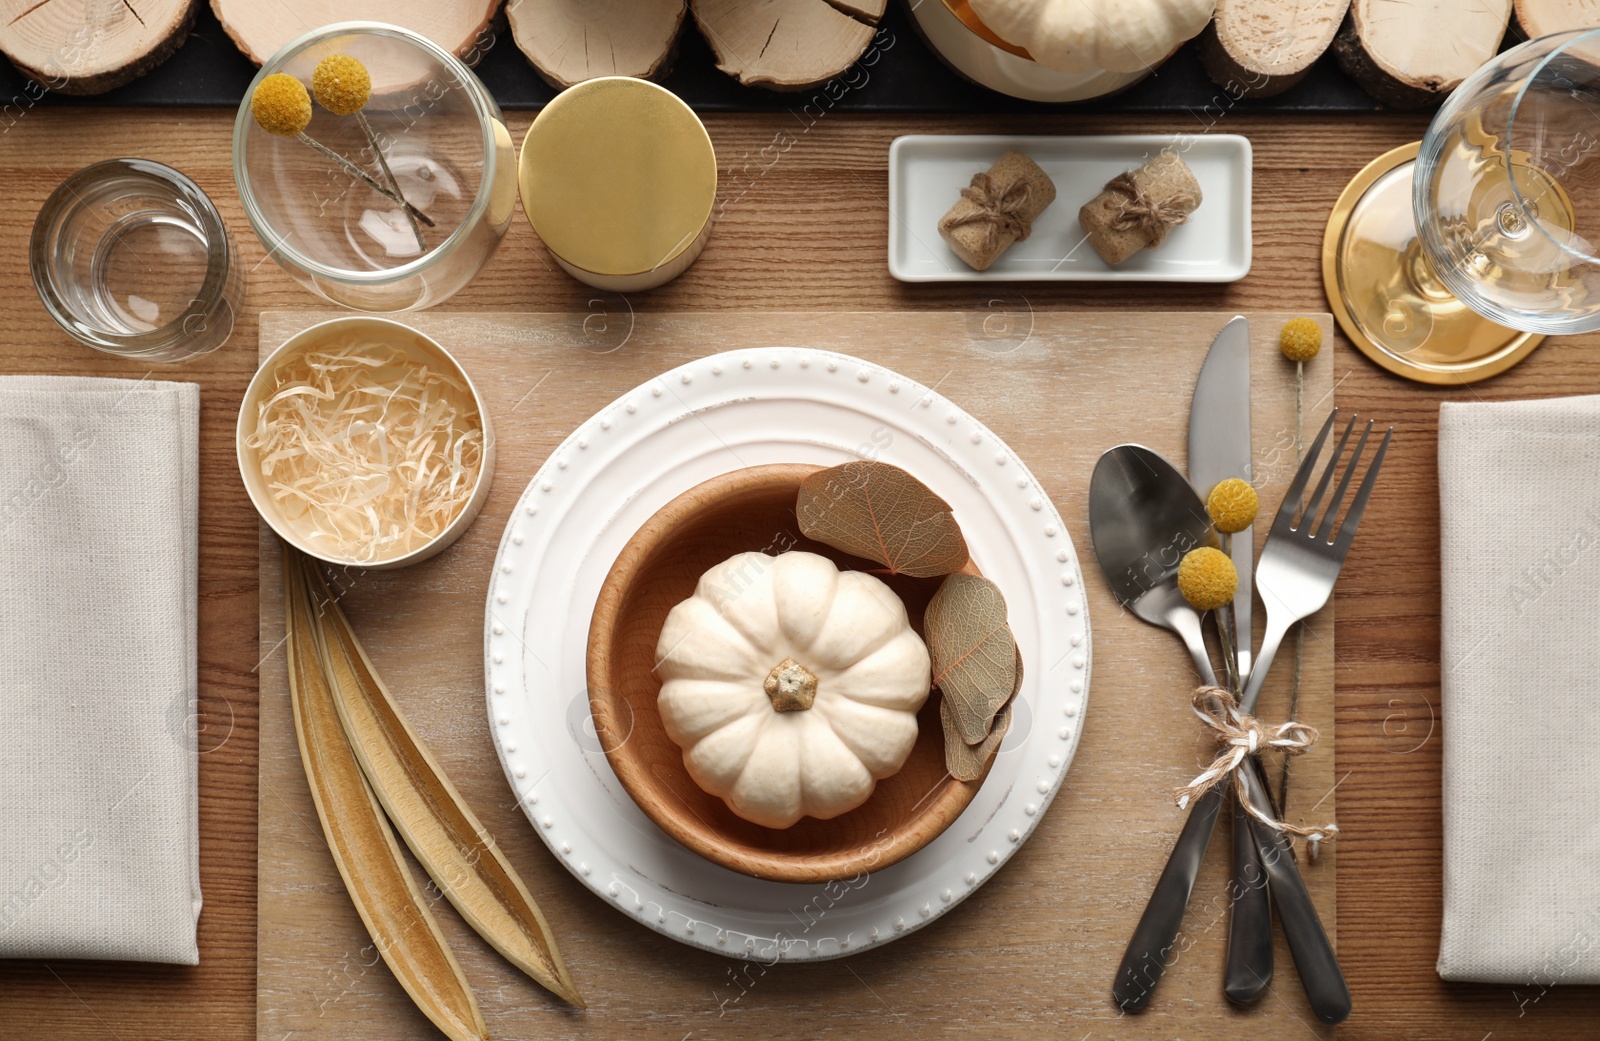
(907, 77)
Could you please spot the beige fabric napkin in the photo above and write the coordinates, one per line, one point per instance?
(1519, 488)
(99, 836)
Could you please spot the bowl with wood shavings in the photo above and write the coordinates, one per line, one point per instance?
(363, 443)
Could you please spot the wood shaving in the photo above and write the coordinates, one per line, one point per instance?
(368, 449)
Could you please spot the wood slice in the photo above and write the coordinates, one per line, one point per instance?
(1544, 17)
(1411, 53)
(261, 29)
(786, 44)
(92, 46)
(569, 41)
(869, 11)
(1258, 48)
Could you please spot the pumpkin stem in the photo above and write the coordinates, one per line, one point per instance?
(791, 686)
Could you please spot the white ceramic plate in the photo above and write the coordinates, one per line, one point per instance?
(928, 171)
(982, 62)
(710, 417)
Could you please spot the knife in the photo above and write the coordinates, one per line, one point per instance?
(1219, 448)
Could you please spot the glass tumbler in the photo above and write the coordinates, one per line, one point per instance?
(130, 257)
(429, 133)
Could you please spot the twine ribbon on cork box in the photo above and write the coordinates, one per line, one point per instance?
(1156, 217)
(996, 210)
(1137, 209)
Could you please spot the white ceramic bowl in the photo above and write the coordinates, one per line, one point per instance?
(250, 470)
(989, 66)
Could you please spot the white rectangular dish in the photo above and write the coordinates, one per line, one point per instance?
(928, 171)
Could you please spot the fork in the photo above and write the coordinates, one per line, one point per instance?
(1301, 560)
(1295, 576)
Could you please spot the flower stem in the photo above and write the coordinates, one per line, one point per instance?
(1225, 629)
(1299, 630)
(372, 139)
(361, 175)
(1229, 654)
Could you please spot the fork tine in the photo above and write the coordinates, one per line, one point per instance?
(1347, 533)
(1308, 519)
(1326, 534)
(1297, 487)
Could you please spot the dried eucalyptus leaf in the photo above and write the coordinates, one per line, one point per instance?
(974, 654)
(882, 513)
(966, 762)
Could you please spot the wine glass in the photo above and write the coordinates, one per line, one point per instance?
(1452, 267)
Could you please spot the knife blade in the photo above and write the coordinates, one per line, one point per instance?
(1219, 448)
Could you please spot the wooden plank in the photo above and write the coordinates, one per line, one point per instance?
(802, 227)
(1037, 943)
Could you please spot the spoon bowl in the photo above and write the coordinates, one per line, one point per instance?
(1143, 517)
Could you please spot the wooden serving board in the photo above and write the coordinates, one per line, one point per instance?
(1033, 952)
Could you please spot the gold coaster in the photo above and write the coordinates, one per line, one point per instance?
(1387, 299)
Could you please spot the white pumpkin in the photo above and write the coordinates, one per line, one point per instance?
(1081, 35)
(792, 687)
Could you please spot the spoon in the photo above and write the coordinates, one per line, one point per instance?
(1143, 517)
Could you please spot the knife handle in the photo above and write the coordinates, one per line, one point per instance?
(1151, 948)
(1249, 965)
(1314, 958)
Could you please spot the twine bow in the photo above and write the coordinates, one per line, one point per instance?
(1239, 736)
(1156, 219)
(998, 209)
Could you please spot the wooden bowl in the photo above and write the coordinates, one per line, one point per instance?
(750, 509)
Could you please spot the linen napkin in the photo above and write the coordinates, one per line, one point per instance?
(99, 835)
(1519, 488)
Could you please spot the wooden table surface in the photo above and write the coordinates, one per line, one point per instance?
(803, 227)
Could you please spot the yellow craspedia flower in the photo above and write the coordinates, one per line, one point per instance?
(1233, 505)
(341, 84)
(1206, 578)
(281, 105)
(1300, 339)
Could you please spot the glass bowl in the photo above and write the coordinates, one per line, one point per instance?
(130, 257)
(441, 141)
